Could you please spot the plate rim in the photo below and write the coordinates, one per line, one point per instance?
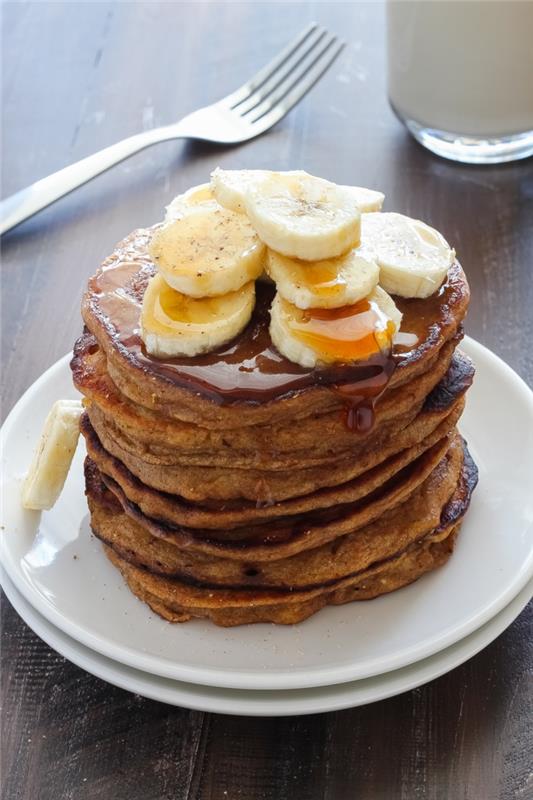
(210, 699)
(274, 679)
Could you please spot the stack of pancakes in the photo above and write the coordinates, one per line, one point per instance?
(244, 488)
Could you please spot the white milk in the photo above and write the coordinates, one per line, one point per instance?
(464, 67)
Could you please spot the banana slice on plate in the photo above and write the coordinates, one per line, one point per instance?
(414, 259)
(53, 457)
(317, 337)
(182, 204)
(174, 324)
(329, 283)
(208, 252)
(303, 217)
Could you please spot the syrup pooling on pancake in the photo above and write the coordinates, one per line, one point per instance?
(249, 369)
(359, 334)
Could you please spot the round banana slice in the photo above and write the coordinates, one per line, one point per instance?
(317, 337)
(414, 259)
(182, 204)
(208, 252)
(303, 217)
(229, 186)
(173, 324)
(329, 283)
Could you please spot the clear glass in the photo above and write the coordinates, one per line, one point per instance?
(460, 76)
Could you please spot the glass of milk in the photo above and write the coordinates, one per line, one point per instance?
(460, 76)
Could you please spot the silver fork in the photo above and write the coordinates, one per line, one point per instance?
(249, 111)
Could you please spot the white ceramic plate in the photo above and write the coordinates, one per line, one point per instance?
(61, 571)
(267, 703)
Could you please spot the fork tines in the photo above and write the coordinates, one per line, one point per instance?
(276, 88)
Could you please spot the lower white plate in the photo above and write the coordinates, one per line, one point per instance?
(61, 571)
(267, 703)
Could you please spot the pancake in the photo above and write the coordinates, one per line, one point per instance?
(271, 486)
(240, 487)
(182, 603)
(290, 535)
(348, 549)
(390, 477)
(178, 601)
(175, 510)
(322, 438)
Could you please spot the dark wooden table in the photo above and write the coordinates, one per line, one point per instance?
(78, 76)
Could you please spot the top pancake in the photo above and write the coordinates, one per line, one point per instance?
(248, 375)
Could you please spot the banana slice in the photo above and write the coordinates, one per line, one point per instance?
(182, 204)
(208, 252)
(325, 336)
(303, 217)
(366, 199)
(330, 283)
(229, 186)
(413, 258)
(53, 457)
(174, 324)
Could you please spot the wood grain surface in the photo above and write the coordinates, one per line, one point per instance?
(78, 76)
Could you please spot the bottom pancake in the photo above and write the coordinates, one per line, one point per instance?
(182, 603)
(178, 599)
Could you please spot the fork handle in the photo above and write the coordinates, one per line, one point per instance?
(26, 202)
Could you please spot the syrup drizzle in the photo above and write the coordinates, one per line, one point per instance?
(349, 333)
(249, 369)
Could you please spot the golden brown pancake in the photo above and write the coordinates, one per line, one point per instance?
(322, 438)
(241, 487)
(223, 483)
(175, 510)
(178, 600)
(348, 548)
(289, 535)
